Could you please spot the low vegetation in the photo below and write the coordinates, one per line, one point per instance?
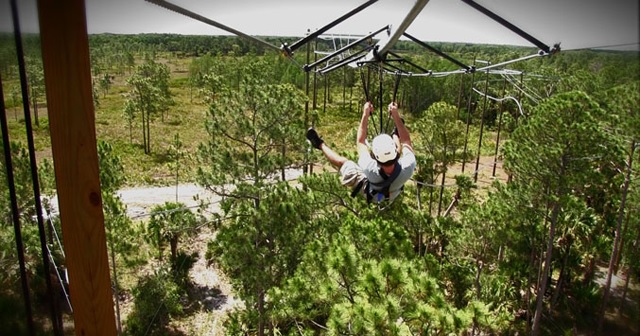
(521, 254)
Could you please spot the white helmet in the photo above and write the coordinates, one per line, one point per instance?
(384, 148)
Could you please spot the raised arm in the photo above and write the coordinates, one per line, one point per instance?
(362, 129)
(403, 133)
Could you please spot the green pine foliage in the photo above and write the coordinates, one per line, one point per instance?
(156, 300)
(451, 256)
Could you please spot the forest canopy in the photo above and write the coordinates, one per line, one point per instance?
(523, 207)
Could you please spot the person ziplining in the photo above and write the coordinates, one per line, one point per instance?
(382, 169)
(374, 176)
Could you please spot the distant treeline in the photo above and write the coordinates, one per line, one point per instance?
(623, 64)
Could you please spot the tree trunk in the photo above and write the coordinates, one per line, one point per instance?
(115, 289)
(144, 132)
(130, 130)
(589, 272)
(173, 242)
(35, 110)
(260, 312)
(444, 171)
(177, 173)
(479, 266)
(444, 175)
(561, 277)
(478, 286)
(148, 129)
(618, 236)
(431, 196)
(159, 238)
(532, 260)
(284, 156)
(535, 331)
(626, 282)
(616, 267)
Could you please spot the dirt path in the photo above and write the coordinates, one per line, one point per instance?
(140, 200)
(211, 294)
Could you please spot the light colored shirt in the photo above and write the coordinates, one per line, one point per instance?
(371, 170)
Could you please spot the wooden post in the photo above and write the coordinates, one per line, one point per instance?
(65, 55)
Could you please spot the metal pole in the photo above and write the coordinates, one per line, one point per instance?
(325, 82)
(34, 170)
(344, 88)
(317, 33)
(186, 12)
(308, 66)
(459, 97)
(380, 100)
(307, 167)
(509, 25)
(510, 177)
(438, 52)
(466, 134)
(315, 77)
(15, 214)
(484, 110)
(495, 156)
(413, 13)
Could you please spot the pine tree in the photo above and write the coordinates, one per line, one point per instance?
(442, 135)
(251, 128)
(149, 96)
(554, 154)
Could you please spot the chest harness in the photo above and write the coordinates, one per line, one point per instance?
(377, 191)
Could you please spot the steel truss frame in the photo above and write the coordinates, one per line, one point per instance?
(364, 52)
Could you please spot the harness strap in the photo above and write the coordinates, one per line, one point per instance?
(363, 185)
(358, 187)
(383, 187)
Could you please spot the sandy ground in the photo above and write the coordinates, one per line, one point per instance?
(140, 200)
(211, 291)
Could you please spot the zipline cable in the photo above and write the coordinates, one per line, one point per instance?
(55, 267)
(55, 235)
(393, 99)
(529, 95)
(637, 44)
(498, 65)
(298, 44)
(500, 99)
(66, 295)
(186, 12)
(365, 86)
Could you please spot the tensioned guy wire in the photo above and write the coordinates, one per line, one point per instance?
(14, 212)
(57, 329)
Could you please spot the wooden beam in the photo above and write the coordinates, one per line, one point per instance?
(65, 56)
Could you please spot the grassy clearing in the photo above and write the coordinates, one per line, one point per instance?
(185, 118)
(336, 122)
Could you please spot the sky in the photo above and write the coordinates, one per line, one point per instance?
(575, 24)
